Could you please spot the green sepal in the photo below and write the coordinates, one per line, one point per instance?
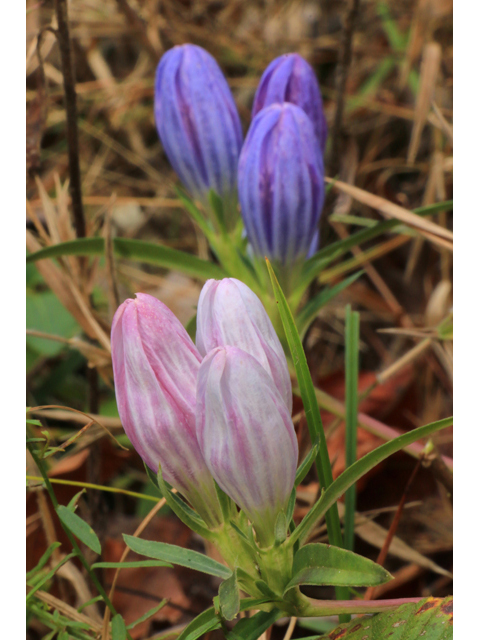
(187, 515)
(229, 597)
(281, 528)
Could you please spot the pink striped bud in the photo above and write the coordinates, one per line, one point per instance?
(155, 366)
(229, 313)
(246, 436)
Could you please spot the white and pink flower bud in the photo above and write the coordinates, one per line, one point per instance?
(155, 366)
(230, 314)
(246, 436)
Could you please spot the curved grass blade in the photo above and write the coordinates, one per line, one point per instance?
(312, 412)
(356, 471)
(139, 250)
(325, 256)
(310, 310)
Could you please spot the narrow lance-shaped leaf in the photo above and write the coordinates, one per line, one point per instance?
(134, 250)
(356, 471)
(177, 555)
(321, 564)
(310, 404)
(79, 528)
(321, 259)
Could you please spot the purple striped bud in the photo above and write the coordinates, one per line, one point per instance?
(281, 184)
(290, 78)
(229, 313)
(246, 436)
(198, 124)
(155, 366)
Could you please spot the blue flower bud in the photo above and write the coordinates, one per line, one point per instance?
(281, 184)
(198, 124)
(290, 78)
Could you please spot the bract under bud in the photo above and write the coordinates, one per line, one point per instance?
(155, 366)
(289, 78)
(246, 436)
(199, 125)
(281, 184)
(229, 313)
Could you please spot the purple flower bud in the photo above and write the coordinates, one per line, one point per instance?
(246, 436)
(229, 313)
(281, 183)
(290, 78)
(155, 366)
(198, 123)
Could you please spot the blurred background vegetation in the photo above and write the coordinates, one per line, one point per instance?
(395, 141)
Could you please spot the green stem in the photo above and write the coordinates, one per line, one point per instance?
(352, 329)
(70, 536)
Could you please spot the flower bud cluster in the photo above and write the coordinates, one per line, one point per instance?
(220, 410)
(278, 172)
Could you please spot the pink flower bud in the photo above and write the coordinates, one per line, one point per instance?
(229, 313)
(246, 436)
(155, 366)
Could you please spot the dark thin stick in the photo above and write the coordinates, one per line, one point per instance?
(382, 556)
(341, 82)
(68, 71)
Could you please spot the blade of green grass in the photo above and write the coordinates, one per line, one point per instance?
(134, 250)
(312, 413)
(356, 471)
(352, 334)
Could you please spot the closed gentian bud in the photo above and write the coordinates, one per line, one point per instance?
(229, 313)
(290, 78)
(246, 436)
(198, 124)
(155, 366)
(281, 184)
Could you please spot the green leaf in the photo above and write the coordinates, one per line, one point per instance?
(357, 470)
(325, 256)
(131, 565)
(119, 630)
(194, 212)
(140, 250)
(79, 528)
(73, 502)
(229, 597)
(205, 622)
(321, 564)
(44, 559)
(311, 309)
(307, 462)
(151, 612)
(252, 628)
(177, 555)
(45, 313)
(48, 576)
(428, 619)
(312, 412)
